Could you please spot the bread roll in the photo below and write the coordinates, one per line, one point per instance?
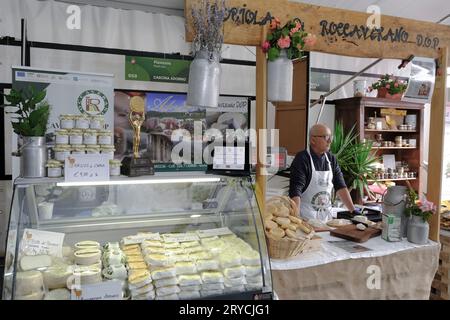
(291, 226)
(282, 221)
(277, 233)
(269, 224)
(282, 212)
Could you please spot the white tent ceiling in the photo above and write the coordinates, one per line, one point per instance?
(430, 10)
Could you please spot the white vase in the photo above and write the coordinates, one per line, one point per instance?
(204, 80)
(418, 230)
(280, 75)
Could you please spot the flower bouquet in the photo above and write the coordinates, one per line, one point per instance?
(389, 87)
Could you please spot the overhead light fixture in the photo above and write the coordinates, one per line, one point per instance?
(135, 182)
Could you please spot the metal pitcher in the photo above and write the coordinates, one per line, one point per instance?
(33, 157)
(394, 204)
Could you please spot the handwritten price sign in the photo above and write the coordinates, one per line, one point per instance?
(86, 167)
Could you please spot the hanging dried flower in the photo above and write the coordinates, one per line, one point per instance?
(207, 20)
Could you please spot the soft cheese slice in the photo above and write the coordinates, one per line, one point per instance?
(87, 256)
(87, 244)
(35, 262)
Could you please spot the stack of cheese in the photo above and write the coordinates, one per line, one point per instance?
(88, 265)
(159, 257)
(55, 280)
(114, 259)
(281, 221)
(139, 279)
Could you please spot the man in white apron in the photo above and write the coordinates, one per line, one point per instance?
(314, 174)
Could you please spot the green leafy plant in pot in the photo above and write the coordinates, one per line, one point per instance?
(29, 121)
(356, 160)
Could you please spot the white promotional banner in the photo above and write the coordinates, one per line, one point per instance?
(67, 92)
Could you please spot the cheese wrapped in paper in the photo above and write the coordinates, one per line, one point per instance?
(163, 272)
(165, 282)
(163, 291)
(189, 280)
(212, 276)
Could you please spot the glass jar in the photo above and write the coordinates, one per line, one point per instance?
(61, 136)
(97, 122)
(76, 136)
(104, 137)
(61, 152)
(90, 136)
(79, 149)
(82, 122)
(93, 149)
(114, 167)
(108, 150)
(54, 169)
(67, 121)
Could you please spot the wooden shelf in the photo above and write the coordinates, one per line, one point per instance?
(393, 148)
(399, 131)
(399, 179)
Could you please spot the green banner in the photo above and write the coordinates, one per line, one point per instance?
(156, 69)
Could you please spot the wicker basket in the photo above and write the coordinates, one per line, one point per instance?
(286, 247)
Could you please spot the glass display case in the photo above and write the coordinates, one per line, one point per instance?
(166, 236)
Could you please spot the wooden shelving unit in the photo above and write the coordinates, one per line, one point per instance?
(356, 112)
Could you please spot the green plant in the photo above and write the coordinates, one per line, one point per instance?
(291, 37)
(31, 117)
(391, 84)
(355, 158)
(421, 208)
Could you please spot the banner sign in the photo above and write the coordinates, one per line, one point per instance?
(156, 69)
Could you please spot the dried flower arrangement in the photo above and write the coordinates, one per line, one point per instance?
(207, 20)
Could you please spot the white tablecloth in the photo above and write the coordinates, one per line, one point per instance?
(331, 253)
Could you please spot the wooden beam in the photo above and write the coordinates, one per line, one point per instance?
(261, 122)
(436, 145)
(338, 31)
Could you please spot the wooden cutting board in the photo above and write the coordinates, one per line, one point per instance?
(350, 232)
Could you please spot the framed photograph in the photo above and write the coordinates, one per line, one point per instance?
(421, 82)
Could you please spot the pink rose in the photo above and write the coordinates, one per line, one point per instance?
(284, 42)
(388, 86)
(297, 27)
(265, 46)
(274, 23)
(310, 40)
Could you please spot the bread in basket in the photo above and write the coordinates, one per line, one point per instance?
(287, 234)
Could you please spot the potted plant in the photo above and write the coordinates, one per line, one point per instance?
(356, 160)
(282, 45)
(29, 121)
(419, 212)
(205, 70)
(389, 87)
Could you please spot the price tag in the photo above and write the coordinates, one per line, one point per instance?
(36, 242)
(106, 290)
(86, 167)
(214, 232)
(232, 158)
(180, 237)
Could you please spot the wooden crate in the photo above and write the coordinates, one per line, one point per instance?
(440, 285)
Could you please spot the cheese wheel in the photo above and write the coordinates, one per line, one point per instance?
(142, 290)
(87, 256)
(88, 244)
(212, 276)
(166, 282)
(187, 295)
(189, 280)
(164, 291)
(58, 294)
(282, 221)
(55, 278)
(150, 295)
(29, 282)
(33, 262)
(137, 265)
(32, 296)
(168, 297)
